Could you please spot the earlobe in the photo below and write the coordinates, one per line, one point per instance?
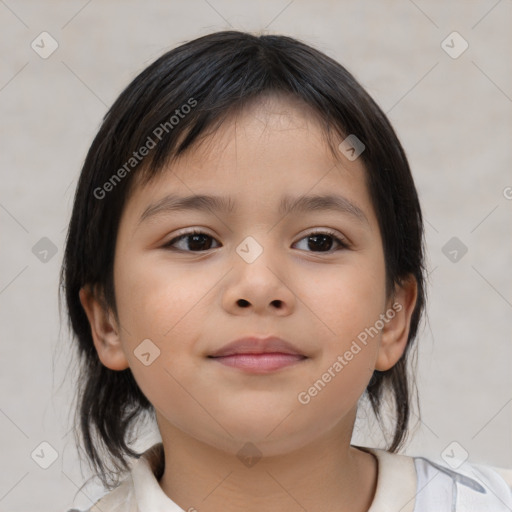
(396, 330)
(104, 330)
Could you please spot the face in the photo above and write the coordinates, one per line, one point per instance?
(315, 278)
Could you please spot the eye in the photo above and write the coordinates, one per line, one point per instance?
(323, 241)
(198, 241)
(193, 241)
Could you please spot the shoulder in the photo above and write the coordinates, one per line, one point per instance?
(464, 488)
(140, 486)
(468, 487)
(119, 499)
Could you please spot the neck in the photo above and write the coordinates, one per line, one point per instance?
(327, 474)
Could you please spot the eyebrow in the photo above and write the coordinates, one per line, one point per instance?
(289, 204)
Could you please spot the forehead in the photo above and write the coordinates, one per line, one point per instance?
(272, 148)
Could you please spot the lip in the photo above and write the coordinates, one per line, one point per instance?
(258, 355)
(256, 345)
(260, 363)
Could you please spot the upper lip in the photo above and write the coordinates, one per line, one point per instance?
(257, 345)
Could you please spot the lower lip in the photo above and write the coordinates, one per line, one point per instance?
(259, 363)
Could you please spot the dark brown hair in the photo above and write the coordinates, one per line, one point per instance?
(216, 75)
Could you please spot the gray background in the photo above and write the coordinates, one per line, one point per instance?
(453, 116)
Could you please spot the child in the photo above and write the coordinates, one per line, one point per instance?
(251, 351)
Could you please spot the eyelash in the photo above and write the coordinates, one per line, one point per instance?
(343, 244)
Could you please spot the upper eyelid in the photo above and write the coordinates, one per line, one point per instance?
(343, 239)
(203, 231)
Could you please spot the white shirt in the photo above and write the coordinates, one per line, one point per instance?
(404, 484)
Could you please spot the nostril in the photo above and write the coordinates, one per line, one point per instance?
(242, 303)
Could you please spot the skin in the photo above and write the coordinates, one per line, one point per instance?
(188, 305)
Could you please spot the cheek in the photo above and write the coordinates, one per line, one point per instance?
(155, 298)
(163, 304)
(346, 300)
(166, 305)
(348, 311)
(346, 308)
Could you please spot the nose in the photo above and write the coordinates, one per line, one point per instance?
(261, 287)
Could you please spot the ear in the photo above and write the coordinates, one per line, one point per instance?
(104, 330)
(396, 331)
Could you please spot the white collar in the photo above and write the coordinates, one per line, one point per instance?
(396, 482)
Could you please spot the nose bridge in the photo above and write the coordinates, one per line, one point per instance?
(251, 249)
(258, 261)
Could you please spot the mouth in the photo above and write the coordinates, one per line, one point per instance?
(260, 363)
(259, 355)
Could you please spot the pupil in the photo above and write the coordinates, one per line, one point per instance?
(325, 245)
(195, 240)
